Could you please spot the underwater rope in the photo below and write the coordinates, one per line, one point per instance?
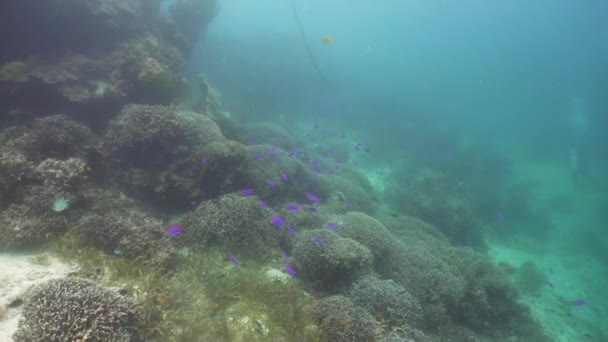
(313, 61)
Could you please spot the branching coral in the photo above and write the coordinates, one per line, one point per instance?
(76, 309)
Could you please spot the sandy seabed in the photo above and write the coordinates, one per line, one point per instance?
(18, 273)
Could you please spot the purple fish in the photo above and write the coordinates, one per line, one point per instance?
(289, 269)
(174, 230)
(346, 204)
(246, 192)
(293, 153)
(312, 197)
(318, 239)
(338, 161)
(314, 163)
(578, 302)
(284, 176)
(330, 171)
(331, 225)
(233, 259)
(367, 150)
(270, 182)
(257, 156)
(272, 149)
(204, 160)
(283, 254)
(357, 148)
(292, 207)
(261, 203)
(289, 228)
(249, 142)
(276, 220)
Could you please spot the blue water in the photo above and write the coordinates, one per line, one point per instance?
(505, 100)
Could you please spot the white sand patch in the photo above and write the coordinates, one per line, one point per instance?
(17, 274)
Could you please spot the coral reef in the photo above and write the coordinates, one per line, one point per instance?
(20, 228)
(76, 309)
(57, 137)
(327, 260)
(342, 321)
(235, 222)
(387, 301)
(170, 154)
(358, 198)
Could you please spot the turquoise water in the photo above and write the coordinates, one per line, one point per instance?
(502, 102)
(303, 171)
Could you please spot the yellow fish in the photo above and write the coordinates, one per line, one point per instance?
(326, 39)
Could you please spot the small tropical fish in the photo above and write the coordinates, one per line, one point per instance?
(60, 203)
(88, 168)
(289, 269)
(257, 156)
(249, 142)
(277, 162)
(346, 204)
(174, 230)
(261, 203)
(233, 259)
(259, 327)
(292, 207)
(272, 149)
(331, 225)
(550, 284)
(246, 192)
(314, 163)
(119, 251)
(343, 322)
(311, 197)
(367, 150)
(314, 175)
(578, 302)
(327, 39)
(204, 160)
(330, 171)
(284, 176)
(318, 239)
(293, 153)
(312, 209)
(270, 182)
(289, 228)
(276, 220)
(159, 299)
(499, 216)
(283, 254)
(357, 148)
